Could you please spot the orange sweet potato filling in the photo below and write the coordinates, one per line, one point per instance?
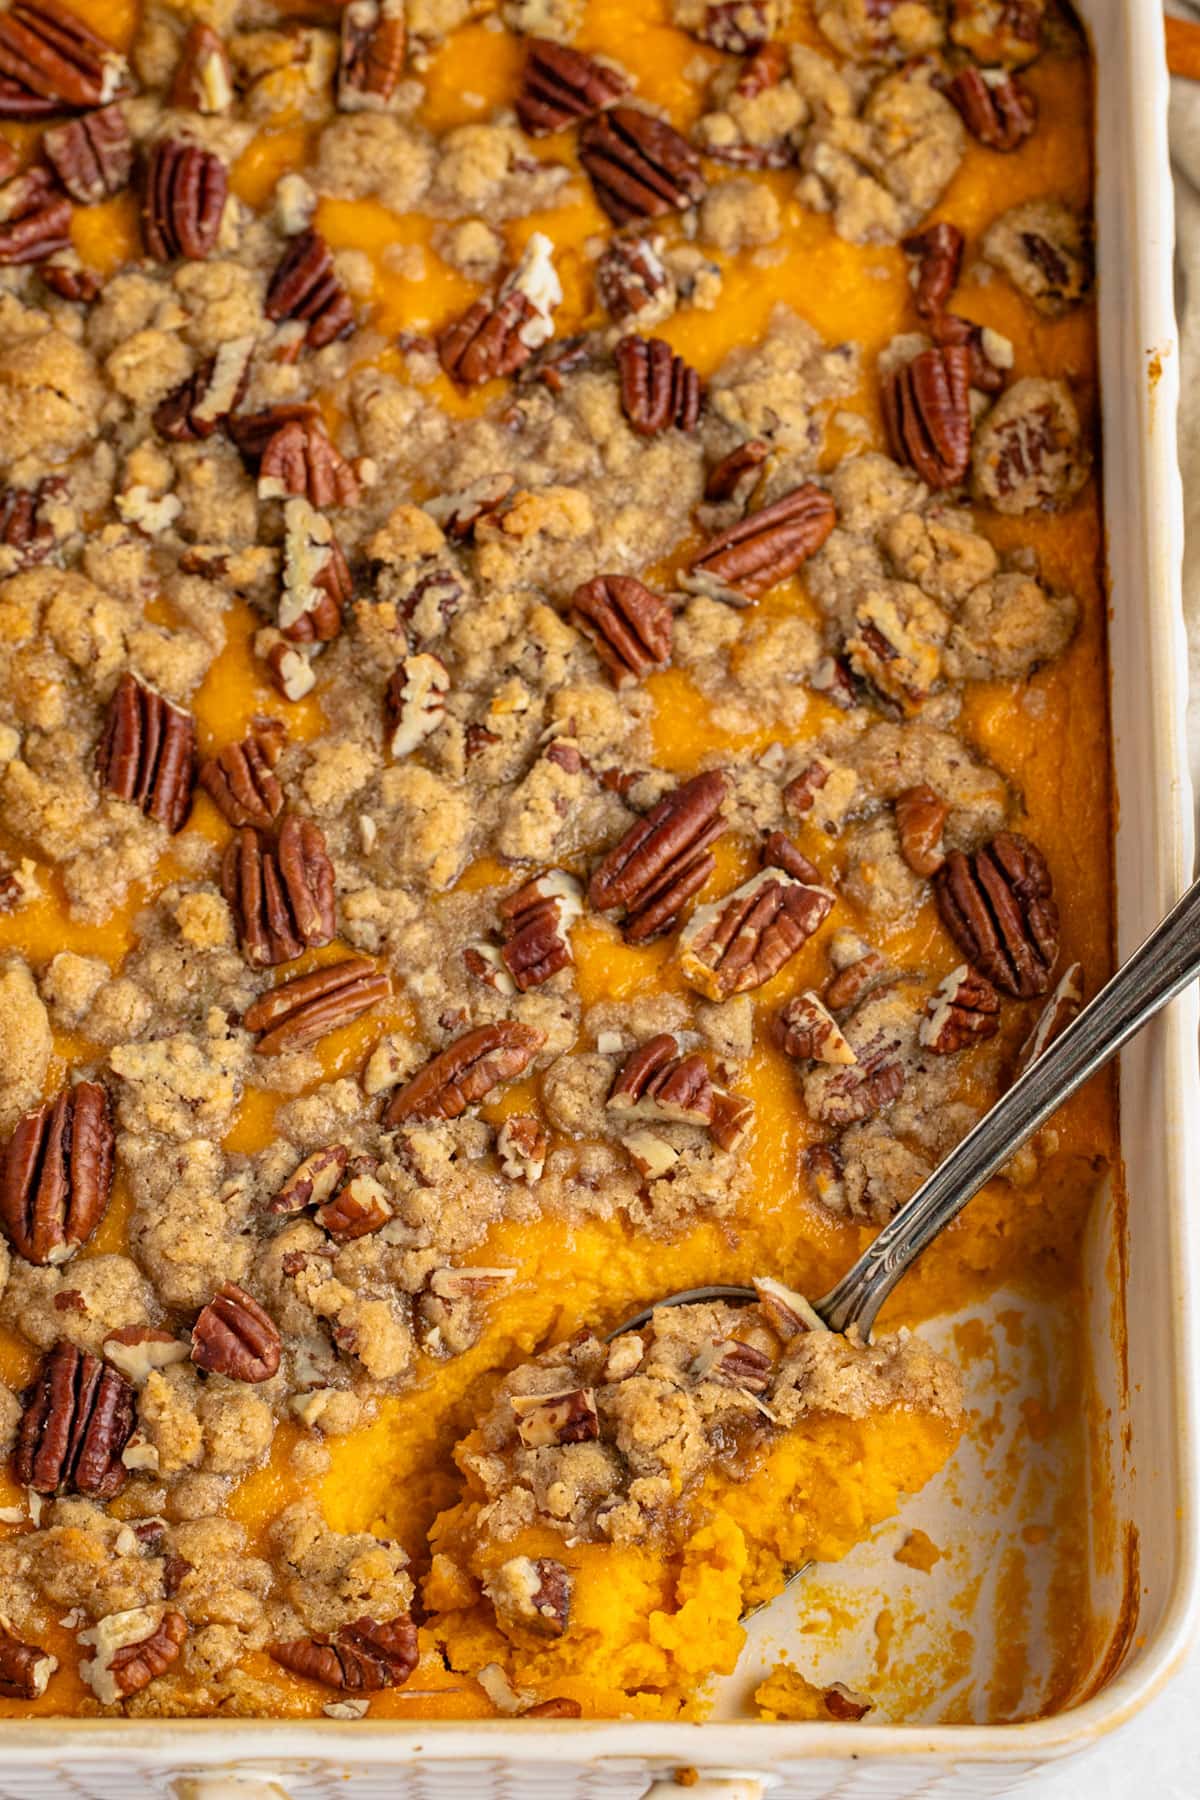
(1048, 737)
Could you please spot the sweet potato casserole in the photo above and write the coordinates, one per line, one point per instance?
(552, 750)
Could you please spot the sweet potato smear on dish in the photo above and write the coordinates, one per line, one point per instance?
(553, 749)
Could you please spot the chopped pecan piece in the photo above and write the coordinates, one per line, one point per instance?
(766, 68)
(658, 389)
(663, 859)
(627, 623)
(57, 1172)
(308, 1007)
(316, 576)
(291, 670)
(534, 1593)
(738, 943)
(301, 460)
(738, 26)
(736, 474)
(998, 31)
(23, 527)
(767, 546)
(77, 1419)
(632, 280)
(843, 1704)
(234, 1337)
(861, 1088)
(203, 80)
(130, 1649)
(996, 108)
(536, 921)
(920, 816)
(1062, 1006)
(640, 167)
(557, 1708)
(939, 252)
(281, 896)
(927, 410)
(461, 512)
(136, 1351)
(305, 284)
(989, 355)
(46, 51)
(147, 752)
(777, 851)
(567, 1417)
(240, 780)
(360, 1205)
(183, 200)
(560, 86)
(92, 156)
(521, 1145)
(487, 341)
(415, 701)
(866, 969)
(362, 1658)
(35, 217)
(998, 906)
(252, 432)
(734, 1364)
(963, 1010)
(787, 1312)
(656, 1082)
(465, 1072)
(201, 404)
(66, 276)
(371, 59)
(313, 1181)
(810, 1033)
(25, 1669)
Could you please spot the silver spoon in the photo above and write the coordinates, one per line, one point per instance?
(1160, 968)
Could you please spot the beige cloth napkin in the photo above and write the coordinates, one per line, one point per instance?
(1185, 155)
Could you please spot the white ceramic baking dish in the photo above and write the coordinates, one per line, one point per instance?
(1147, 1455)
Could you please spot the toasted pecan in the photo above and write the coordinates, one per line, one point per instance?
(465, 1072)
(56, 1175)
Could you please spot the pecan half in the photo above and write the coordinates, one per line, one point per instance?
(997, 904)
(632, 279)
(252, 432)
(76, 1421)
(465, 1072)
(57, 1174)
(414, 701)
(35, 217)
(560, 86)
(810, 1033)
(92, 156)
(305, 284)
(639, 166)
(777, 851)
(301, 459)
(203, 79)
(927, 410)
(147, 752)
(48, 52)
(939, 253)
(1062, 1006)
(738, 943)
(536, 921)
(313, 1181)
(996, 108)
(567, 1417)
(198, 406)
(240, 779)
(658, 389)
(920, 816)
(769, 545)
(657, 1082)
(234, 1337)
(663, 859)
(309, 1007)
(25, 1669)
(532, 1592)
(371, 57)
(359, 1206)
(131, 1649)
(487, 341)
(865, 969)
(627, 623)
(281, 896)
(23, 527)
(183, 200)
(736, 474)
(998, 31)
(361, 1658)
(964, 1009)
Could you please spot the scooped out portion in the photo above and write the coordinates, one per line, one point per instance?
(626, 1503)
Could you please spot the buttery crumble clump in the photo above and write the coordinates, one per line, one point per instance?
(360, 1023)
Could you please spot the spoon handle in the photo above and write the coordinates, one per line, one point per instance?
(1158, 970)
